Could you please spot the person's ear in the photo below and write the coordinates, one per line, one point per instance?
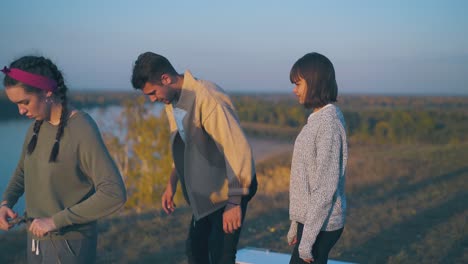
(166, 79)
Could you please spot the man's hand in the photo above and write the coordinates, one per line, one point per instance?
(232, 217)
(41, 226)
(308, 260)
(167, 200)
(5, 214)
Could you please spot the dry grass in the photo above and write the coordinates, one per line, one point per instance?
(407, 204)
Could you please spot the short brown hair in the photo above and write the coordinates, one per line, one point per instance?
(319, 74)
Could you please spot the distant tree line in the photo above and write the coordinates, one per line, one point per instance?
(405, 126)
(374, 120)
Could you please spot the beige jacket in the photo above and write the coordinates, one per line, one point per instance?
(215, 164)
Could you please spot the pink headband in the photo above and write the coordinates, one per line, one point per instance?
(35, 80)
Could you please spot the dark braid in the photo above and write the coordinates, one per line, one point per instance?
(44, 67)
(58, 136)
(33, 142)
(62, 92)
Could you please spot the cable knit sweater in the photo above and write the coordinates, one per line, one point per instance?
(317, 197)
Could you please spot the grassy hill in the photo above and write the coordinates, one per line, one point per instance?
(407, 204)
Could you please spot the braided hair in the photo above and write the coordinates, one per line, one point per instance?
(45, 67)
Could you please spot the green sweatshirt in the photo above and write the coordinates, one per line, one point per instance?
(83, 185)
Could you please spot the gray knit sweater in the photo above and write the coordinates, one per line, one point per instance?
(317, 183)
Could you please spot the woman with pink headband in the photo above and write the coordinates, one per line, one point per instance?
(65, 171)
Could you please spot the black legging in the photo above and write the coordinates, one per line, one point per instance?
(322, 246)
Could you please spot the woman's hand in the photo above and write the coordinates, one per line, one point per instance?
(41, 226)
(293, 241)
(5, 214)
(308, 260)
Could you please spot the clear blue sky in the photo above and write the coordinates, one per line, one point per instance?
(390, 47)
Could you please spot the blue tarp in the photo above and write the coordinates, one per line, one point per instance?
(260, 256)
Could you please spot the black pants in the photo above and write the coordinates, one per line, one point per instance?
(208, 244)
(322, 246)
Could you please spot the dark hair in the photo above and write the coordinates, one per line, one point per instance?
(149, 67)
(319, 74)
(45, 67)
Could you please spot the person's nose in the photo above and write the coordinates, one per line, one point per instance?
(22, 110)
(153, 98)
(295, 90)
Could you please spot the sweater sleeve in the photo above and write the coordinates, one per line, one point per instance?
(292, 233)
(96, 163)
(222, 124)
(323, 187)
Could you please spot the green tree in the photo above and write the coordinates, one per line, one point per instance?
(142, 153)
